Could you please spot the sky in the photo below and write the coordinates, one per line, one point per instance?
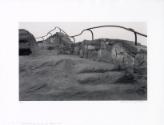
(39, 29)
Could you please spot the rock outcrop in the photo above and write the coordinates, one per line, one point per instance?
(124, 54)
(59, 43)
(27, 42)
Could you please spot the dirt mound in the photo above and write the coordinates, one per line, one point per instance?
(45, 76)
(52, 77)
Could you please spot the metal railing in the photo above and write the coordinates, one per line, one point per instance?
(92, 33)
(105, 26)
(50, 32)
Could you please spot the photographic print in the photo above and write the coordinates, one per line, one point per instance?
(73, 61)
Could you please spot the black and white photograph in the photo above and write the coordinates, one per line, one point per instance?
(82, 61)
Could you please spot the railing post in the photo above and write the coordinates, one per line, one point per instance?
(91, 33)
(135, 35)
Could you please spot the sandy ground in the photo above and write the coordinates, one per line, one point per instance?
(62, 77)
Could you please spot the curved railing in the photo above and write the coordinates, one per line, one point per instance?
(128, 29)
(92, 33)
(50, 32)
